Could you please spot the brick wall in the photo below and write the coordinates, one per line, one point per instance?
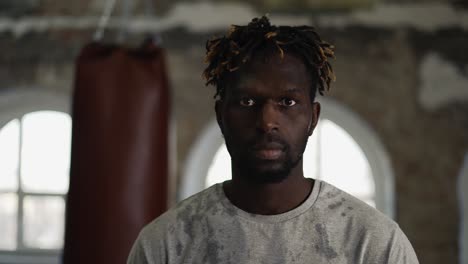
(381, 76)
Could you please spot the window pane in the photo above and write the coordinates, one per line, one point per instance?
(220, 168)
(311, 159)
(8, 221)
(46, 152)
(43, 222)
(343, 163)
(9, 152)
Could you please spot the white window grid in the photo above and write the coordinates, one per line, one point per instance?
(12, 106)
(21, 246)
(318, 164)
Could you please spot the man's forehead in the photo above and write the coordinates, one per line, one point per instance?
(273, 89)
(286, 71)
(253, 86)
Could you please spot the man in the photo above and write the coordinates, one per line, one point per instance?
(266, 79)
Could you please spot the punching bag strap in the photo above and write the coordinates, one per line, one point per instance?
(104, 20)
(106, 15)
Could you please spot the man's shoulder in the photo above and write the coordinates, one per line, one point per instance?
(368, 231)
(185, 210)
(339, 204)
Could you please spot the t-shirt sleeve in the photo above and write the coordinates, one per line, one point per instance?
(401, 251)
(137, 254)
(149, 248)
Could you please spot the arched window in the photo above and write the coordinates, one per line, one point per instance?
(343, 151)
(329, 146)
(35, 141)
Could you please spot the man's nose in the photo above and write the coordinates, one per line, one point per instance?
(267, 119)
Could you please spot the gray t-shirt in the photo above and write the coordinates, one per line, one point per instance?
(331, 226)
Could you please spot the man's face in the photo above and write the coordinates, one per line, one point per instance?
(266, 117)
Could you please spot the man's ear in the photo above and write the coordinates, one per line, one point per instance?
(218, 111)
(314, 118)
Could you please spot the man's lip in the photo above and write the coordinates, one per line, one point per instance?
(270, 151)
(268, 154)
(268, 146)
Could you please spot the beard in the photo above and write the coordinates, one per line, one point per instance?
(259, 171)
(275, 174)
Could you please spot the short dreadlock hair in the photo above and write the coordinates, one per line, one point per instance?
(227, 54)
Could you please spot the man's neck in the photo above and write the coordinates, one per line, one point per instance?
(269, 198)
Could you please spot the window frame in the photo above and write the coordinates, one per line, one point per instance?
(462, 186)
(14, 104)
(210, 139)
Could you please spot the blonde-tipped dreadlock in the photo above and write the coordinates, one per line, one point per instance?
(229, 53)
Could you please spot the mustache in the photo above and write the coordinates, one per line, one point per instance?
(268, 141)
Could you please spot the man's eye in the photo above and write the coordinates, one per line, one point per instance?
(247, 102)
(287, 102)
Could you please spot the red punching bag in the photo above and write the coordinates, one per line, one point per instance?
(119, 164)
